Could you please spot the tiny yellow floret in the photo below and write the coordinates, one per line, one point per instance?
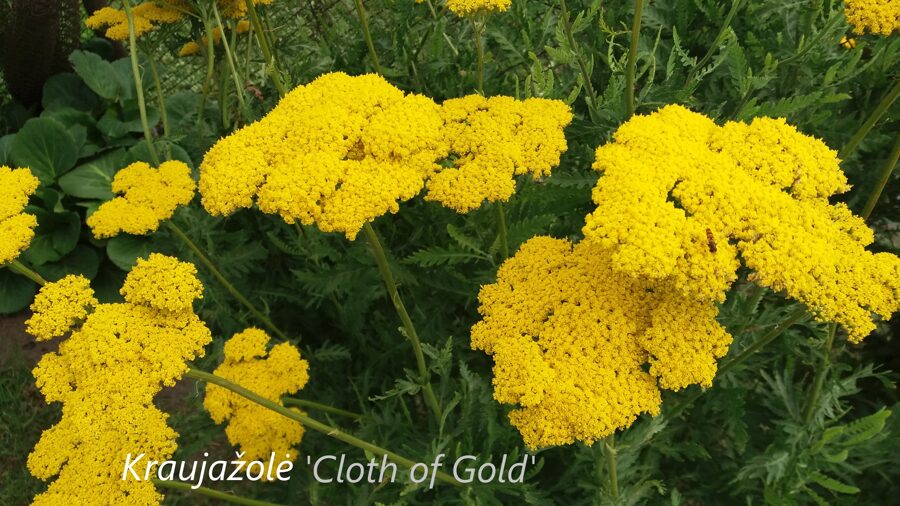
(881, 17)
(58, 306)
(464, 8)
(16, 226)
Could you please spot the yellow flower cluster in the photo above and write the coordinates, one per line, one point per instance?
(106, 375)
(192, 48)
(16, 227)
(280, 371)
(570, 338)
(149, 197)
(337, 152)
(464, 8)
(877, 16)
(147, 16)
(59, 306)
(682, 199)
(493, 140)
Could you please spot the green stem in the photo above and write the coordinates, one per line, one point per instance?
(309, 422)
(160, 101)
(208, 492)
(210, 71)
(501, 231)
(873, 118)
(138, 84)
(224, 282)
(272, 67)
(609, 443)
(821, 372)
(229, 57)
(632, 56)
(582, 65)
(303, 403)
(883, 180)
(385, 269)
(20, 268)
(478, 31)
(735, 5)
(793, 317)
(364, 22)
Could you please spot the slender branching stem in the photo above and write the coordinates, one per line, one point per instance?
(478, 32)
(229, 57)
(632, 56)
(609, 444)
(385, 269)
(364, 23)
(303, 403)
(20, 268)
(501, 231)
(272, 68)
(208, 492)
(886, 171)
(160, 101)
(579, 58)
(821, 372)
(873, 118)
(138, 82)
(310, 422)
(223, 281)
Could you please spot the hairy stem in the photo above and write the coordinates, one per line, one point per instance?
(632, 56)
(364, 23)
(223, 281)
(138, 84)
(20, 268)
(478, 32)
(609, 443)
(262, 37)
(208, 492)
(309, 422)
(385, 269)
(303, 403)
(873, 118)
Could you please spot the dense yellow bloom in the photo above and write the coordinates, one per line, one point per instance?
(877, 16)
(273, 373)
(106, 375)
(163, 282)
(570, 337)
(149, 197)
(147, 16)
(16, 227)
(338, 152)
(493, 140)
(192, 48)
(472, 7)
(682, 199)
(189, 49)
(59, 306)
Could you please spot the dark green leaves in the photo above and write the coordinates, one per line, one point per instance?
(46, 147)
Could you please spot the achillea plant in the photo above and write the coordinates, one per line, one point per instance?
(16, 226)
(148, 197)
(106, 374)
(881, 17)
(682, 199)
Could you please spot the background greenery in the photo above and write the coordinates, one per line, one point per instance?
(745, 441)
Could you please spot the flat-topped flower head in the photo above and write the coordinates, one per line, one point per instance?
(493, 140)
(571, 337)
(463, 8)
(147, 17)
(16, 226)
(147, 198)
(270, 373)
(106, 374)
(685, 200)
(881, 17)
(58, 306)
(163, 282)
(338, 152)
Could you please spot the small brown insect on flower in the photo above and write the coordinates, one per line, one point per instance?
(710, 241)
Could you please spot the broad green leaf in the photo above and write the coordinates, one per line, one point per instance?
(124, 250)
(16, 291)
(93, 179)
(68, 91)
(81, 260)
(46, 147)
(56, 235)
(6, 149)
(97, 73)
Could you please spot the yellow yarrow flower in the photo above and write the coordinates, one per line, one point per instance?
(464, 8)
(16, 227)
(189, 49)
(106, 375)
(881, 17)
(682, 199)
(493, 140)
(570, 337)
(338, 152)
(147, 16)
(163, 282)
(279, 371)
(149, 197)
(58, 306)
